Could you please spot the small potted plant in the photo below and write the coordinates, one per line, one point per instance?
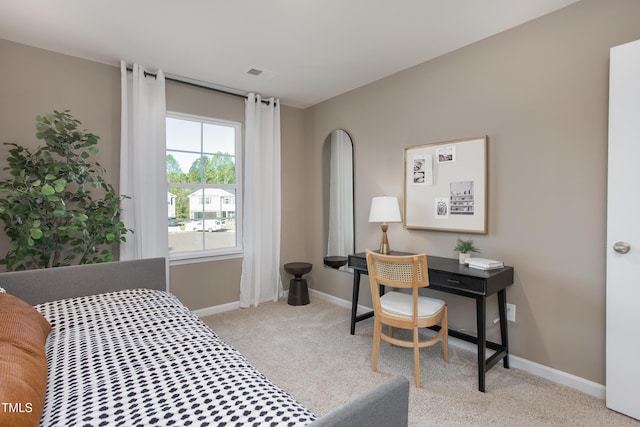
(465, 247)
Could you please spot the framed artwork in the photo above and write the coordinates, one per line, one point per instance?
(445, 186)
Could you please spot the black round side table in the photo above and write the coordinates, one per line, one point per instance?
(298, 290)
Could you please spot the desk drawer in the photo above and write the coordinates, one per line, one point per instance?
(358, 263)
(450, 280)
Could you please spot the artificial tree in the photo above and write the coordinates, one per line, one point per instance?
(48, 206)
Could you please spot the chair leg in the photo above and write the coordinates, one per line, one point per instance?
(377, 330)
(445, 336)
(416, 355)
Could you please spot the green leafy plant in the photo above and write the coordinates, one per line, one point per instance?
(49, 211)
(465, 246)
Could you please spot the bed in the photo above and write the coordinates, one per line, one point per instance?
(106, 345)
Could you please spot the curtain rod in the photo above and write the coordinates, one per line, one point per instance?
(148, 74)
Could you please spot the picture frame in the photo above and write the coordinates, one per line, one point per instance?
(446, 186)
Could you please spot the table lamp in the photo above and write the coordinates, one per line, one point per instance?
(384, 209)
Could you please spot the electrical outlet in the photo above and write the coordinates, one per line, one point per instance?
(511, 312)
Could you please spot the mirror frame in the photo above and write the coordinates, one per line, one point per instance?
(336, 261)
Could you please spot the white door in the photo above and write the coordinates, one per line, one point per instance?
(623, 232)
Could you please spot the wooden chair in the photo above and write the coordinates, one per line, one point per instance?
(404, 310)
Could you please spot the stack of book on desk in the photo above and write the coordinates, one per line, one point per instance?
(484, 264)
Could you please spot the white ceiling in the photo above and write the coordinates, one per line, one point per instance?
(310, 50)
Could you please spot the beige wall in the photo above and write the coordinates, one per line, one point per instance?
(539, 92)
(35, 81)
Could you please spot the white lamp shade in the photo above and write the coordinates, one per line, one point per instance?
(384, 209)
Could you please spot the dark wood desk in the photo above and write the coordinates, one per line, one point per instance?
(448, 275)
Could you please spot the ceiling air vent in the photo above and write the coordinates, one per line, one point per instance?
(261, 74)
(254, 72)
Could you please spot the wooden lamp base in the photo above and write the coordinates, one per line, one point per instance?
(384, 245)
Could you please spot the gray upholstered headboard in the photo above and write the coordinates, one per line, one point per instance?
(38, 286)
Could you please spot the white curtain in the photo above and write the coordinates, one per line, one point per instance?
(143, 163)
(340, 240)
(260, 280)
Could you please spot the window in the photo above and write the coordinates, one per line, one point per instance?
(204, 186)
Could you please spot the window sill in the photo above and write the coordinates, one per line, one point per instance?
(193, 258)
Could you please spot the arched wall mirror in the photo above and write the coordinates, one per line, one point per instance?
(337, 165)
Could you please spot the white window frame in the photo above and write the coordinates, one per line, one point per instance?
(206, 255)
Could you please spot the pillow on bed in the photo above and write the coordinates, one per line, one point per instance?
(23, 362)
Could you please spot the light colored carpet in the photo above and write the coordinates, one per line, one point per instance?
(309, 353)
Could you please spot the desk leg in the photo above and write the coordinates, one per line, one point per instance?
(481, 315)
(354, 299)
(502, 308)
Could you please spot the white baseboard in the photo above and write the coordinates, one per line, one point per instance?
(203, 312)
(559, 377)
(586, 386)
(581, 384)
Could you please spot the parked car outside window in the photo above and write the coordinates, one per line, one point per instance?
(208, 225)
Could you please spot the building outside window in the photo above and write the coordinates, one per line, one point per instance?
(204, 186)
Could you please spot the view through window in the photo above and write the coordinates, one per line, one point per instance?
(203, 195)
